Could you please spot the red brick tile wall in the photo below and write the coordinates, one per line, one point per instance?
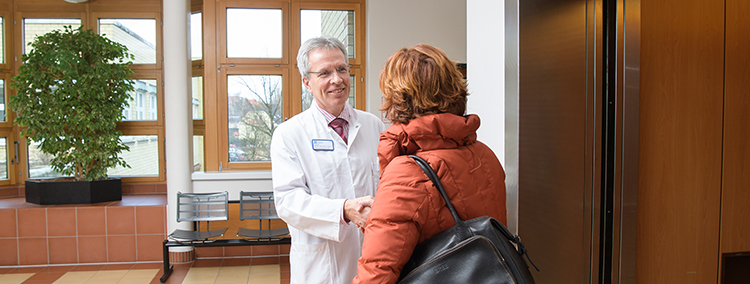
(81, 234)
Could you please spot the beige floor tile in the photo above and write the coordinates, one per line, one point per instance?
(231, 279)
(234, 270)
(264, 274)
(75, 277)
(201, 275)
(138, 276)
(141, 273)
(107, 277)
(233, 274)
(14, 278)
(134, 281)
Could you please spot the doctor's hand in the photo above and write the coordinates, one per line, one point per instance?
(366, 213)
(364, 209)
(357, 210)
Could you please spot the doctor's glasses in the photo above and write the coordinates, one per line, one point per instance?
(326, 73)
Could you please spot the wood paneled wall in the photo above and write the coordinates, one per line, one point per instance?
(735, 210)
(693, 202)
(680, 159)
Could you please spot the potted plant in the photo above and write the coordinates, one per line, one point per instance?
(70, 94)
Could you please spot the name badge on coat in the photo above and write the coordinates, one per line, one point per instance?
(322, 144)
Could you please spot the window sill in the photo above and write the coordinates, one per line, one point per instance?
(231, 175)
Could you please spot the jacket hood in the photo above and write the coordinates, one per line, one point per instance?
(431, 132)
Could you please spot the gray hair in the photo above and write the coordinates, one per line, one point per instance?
(323, 42)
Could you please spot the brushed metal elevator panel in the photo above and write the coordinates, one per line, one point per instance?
(555, 152)
(559, 106)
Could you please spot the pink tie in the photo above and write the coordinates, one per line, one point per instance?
(338, 126)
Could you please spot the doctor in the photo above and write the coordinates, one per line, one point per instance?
(323, 181)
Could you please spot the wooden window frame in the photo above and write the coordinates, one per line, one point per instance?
(89, 20)
(8, 37)
(222, 31)
(18, 36)
(223, 101)
(159, 132)
(215, 93)
(94, 23)
(12, 161)
(159, 101)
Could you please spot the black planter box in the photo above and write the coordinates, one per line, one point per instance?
(45, 192)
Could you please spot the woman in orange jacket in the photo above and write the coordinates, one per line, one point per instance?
(425, 98)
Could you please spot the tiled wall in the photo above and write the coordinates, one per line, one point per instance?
(131, 230)
(11, 191)
(82, 234)
(144, 188)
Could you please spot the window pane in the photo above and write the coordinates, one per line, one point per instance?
(39, 162)
(197, 97)
(198, 156)
(3, 158)
(352, 91)
(143, 102)
(2, 40)
(254, 33)
(2, 100)
(338, 24)
(196, 36)
(254, 110)
(307, 97)
(138, 35)
(36, 27)
(143, 156)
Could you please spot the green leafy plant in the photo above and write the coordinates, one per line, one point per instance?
(70, 94)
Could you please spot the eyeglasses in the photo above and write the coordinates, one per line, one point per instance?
(325, 74)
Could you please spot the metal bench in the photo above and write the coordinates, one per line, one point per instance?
(259, 206)
(198, 207)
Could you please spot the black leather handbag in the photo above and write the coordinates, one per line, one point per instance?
(480, 250)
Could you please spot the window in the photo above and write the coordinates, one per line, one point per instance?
(2, 100)
(196, 36)
(33, 27)
(8, 149)
(254, 33)
(143, 104)
(244, 76)
(38, 162)
(198, 157)
(257, 84)
(3, 158)
(197, 98)
(139, 35)
(253, 112)
(338, 24)
(135, 26)
(142, 157)
(197, 87)
(2, 40)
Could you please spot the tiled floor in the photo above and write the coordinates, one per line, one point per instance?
(202, 271)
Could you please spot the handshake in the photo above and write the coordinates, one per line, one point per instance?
(357, 210)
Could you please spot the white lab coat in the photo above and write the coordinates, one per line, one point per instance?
(310, 187)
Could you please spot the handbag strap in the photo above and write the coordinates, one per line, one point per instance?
(461, 228)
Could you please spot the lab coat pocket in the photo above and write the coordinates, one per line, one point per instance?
(311, 263)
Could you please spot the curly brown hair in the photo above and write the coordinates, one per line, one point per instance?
(420, 81)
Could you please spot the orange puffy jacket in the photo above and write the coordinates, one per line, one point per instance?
(408, 209)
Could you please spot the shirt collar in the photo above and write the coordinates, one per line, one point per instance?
(345, 113)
